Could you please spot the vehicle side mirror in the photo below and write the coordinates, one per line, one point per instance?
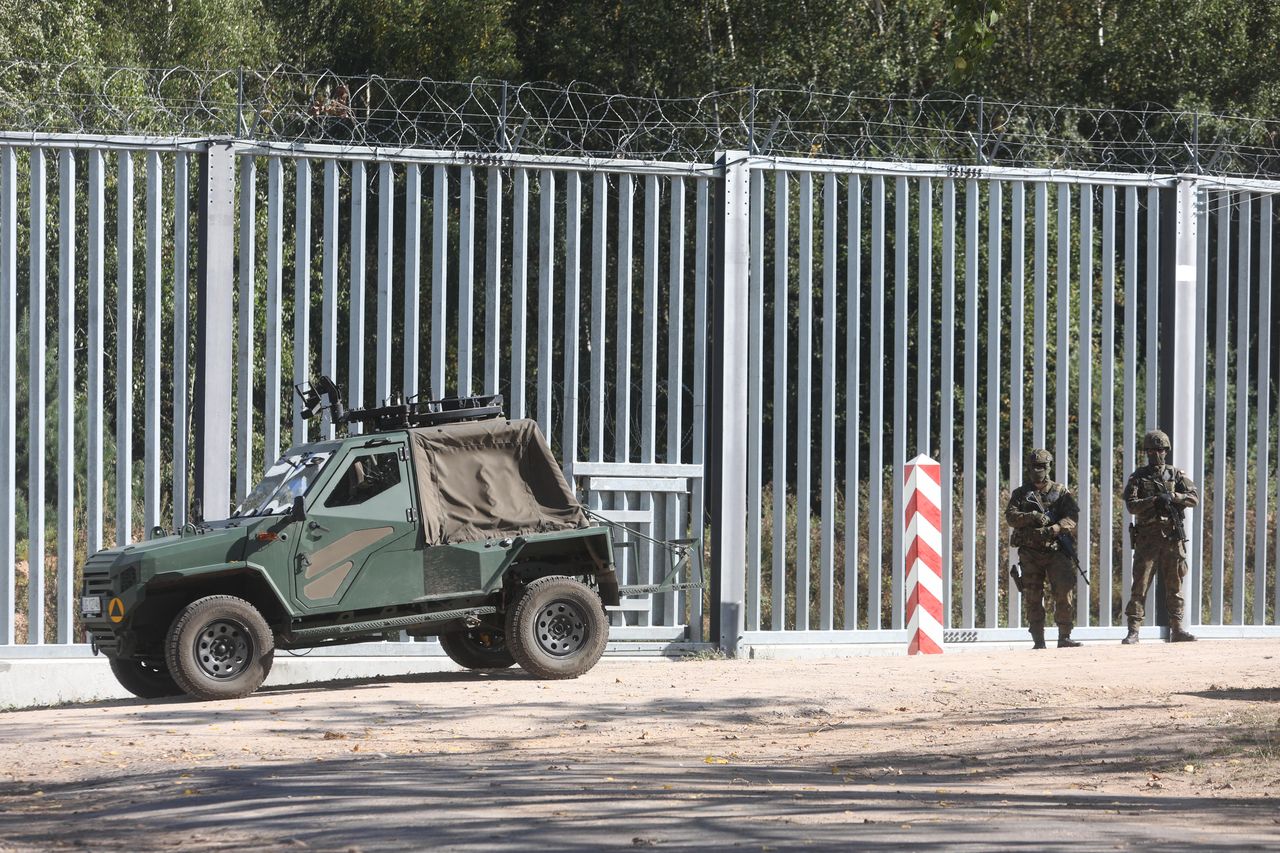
(299, 511)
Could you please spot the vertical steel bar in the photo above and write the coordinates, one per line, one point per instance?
(875, 380)
(36, 403)
(755, 392)
(947, 392)
(66, 389)
(383, 333)
(676, 523)
(1244, 208)
(1263, 440)
(329, 287)
(1195, 597)
(902, 288)
(1084, 407)
(924, 321)
(1220, 357)
(9, 371)
(995, 520)
(93, 357)
(697, 498)
(826, 545)
(301, 292)
(124, 349)
(1040, 319)
(181, 228)
(1062, 361)
(244, 344)
(622, 368)
(1108, 487)
(546, 298)
(969, 509)
(355, 343)
(1153, 311)
(599, 315)
(151, 353)
(804, 403)
(649, 361)
(440, 281)
(492, 280)
(466, 278)
(274, 318)
(1017, 355)
(853, 400)
(572, 315)
(519, 289)
(781, 290)
(1130, 382)
(412, 360)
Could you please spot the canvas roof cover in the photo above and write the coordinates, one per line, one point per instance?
(487, 479)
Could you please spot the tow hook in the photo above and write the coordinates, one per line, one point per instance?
(471, 621)
(93, 645)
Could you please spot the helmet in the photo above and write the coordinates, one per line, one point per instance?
(1039, 456)
(1155, 440)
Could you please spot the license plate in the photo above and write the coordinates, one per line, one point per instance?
(91, 605)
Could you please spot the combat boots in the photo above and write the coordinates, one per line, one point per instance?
(1037, 634)
(1064, 638)
(1131, 638)
(1178, 635)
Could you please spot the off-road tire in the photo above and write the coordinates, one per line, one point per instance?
(219, 647)
(478, 648)
(557, 628)
(144, 679)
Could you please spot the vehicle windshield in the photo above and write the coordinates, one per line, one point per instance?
(289, 477)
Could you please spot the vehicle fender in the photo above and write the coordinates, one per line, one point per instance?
(593, 546)
(220, 574)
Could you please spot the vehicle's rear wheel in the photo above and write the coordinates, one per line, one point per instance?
(478, 648)
(557, 628)
(219, 647)
(145, 679)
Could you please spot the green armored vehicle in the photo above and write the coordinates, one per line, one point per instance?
(440, 519)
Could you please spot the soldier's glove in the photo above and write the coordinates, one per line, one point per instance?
(1165, 500)
(1041, 520)
(1067, 525)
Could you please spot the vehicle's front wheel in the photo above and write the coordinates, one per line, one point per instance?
(478, 648)
(144, 678)
(557, 629)
(219, 647)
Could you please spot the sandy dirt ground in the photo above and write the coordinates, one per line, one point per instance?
(1105, 747)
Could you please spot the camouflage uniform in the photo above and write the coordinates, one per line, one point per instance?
(1154, 492)
(1036, 538)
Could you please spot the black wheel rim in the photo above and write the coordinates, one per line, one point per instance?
(223, 649)
(561, 629)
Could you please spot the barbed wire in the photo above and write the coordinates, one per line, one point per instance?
(495, 117)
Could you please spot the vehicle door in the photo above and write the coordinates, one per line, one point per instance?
(358, 545)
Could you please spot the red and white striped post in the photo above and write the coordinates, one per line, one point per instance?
(923, 522)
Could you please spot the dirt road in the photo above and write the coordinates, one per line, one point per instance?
(1153, 747)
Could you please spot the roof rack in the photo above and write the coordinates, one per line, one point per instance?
(397, 414)
(427, 413)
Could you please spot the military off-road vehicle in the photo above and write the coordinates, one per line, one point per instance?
(435, 518)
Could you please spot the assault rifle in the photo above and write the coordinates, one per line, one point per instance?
(1171, 510)
(1066, 543)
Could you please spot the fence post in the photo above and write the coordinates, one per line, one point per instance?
(214, 329)
(727, 426)
(922, 524)
(1179, 304)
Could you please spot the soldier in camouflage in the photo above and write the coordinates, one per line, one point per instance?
(1156, 494)
(1040, 511)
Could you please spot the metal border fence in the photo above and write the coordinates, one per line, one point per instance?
(798, 327)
